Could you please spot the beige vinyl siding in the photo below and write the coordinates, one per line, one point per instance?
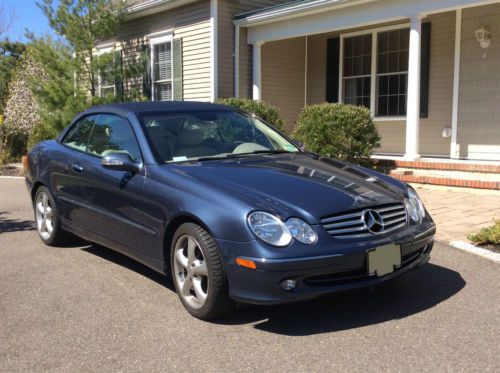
(226, 12)
(283, 81)
(192, 24)
(479, 95)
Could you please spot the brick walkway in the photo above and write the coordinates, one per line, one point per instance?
(458, 211)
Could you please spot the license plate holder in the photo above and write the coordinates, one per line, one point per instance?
(383, 260)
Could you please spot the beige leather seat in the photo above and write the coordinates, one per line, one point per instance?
(189, 141)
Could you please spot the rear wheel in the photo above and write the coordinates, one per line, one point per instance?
(198, 273)
(47, 220)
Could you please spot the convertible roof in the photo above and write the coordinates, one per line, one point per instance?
(155, 107)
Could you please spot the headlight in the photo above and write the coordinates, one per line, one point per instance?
(272, 230)
(414, 206)
(301, 231)
(269, 228)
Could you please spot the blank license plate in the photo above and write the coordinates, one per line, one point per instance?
(384, 259)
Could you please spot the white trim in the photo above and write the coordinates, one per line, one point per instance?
(389, 119)
(433, 158)
(214, 19)
(163, 37)
(341, 70)
(159, 35)
(101, 49)
(373, 72)
(306, 53)
(237, 61)
(333, 18)
(456, 85)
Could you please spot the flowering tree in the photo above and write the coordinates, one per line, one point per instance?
(22, 109)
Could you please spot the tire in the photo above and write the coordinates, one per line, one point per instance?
(48, 224)
(198, 273)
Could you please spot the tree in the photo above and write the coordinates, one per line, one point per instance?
(10, 54)
(6, 19)
(83, 23)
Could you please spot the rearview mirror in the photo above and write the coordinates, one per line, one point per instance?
(120, 162)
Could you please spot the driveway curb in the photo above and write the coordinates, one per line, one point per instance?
(470, 248)
(11, 177)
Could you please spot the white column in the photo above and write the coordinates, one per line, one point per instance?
(454, 153)
(413, 105)
(237, 61)
(257, 68)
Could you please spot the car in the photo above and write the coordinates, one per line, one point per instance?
(232, 209)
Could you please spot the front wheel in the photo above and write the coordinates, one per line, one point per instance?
(198, 274)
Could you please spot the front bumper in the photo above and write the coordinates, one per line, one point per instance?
(342, 269)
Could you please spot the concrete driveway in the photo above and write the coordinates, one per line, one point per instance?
(87, 308)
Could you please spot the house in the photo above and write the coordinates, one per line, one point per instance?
(429, 70)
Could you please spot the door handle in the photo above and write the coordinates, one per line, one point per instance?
(77, 167)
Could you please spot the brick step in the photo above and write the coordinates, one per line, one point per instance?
(387, 165)
(447, 181)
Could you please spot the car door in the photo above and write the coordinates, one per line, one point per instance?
(67, 174)
(115, 201)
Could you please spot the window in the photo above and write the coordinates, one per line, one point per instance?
(162, 71)
(383, 75)
(112, 134)
(106, 75)
(392, 72)
(357, 70)
(78, 135)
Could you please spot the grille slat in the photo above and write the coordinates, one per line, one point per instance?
(351, 225)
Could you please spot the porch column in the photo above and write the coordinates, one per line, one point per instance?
(413, 105)
(257, 75)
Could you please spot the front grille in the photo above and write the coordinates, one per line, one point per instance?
(353, 225)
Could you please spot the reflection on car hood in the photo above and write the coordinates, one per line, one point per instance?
(300, 183)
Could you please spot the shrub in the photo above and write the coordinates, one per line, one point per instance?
(270, 114)
(340, 131)
(487, 236)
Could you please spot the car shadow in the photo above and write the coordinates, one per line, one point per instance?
(15, 225)
(129, 263)
(413, 292)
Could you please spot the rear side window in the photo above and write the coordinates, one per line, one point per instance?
(112, 134)
(78, 135)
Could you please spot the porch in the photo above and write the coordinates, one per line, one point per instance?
(418, 66)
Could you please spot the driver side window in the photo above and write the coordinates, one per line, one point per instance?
(78, 136)
(112, 134)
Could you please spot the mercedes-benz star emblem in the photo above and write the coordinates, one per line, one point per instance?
(373, 221)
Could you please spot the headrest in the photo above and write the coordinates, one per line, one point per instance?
(190, 137)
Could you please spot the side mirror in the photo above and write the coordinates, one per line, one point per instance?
(120, 162)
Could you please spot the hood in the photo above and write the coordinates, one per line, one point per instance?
(299, 184)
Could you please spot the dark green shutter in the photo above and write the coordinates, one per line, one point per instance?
(146, 78)
(118, 73)
(425, 69)
(177, 69)
(332, 69)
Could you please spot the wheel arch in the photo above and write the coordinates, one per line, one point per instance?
(170, 230)
(35, 187)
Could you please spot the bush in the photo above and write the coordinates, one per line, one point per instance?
(487, 236)
(268, 113)
(340, 131)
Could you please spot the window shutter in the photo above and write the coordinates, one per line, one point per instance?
(118, 70)
(177, 69)
(425, 69)
(332, 69)
(146, 78)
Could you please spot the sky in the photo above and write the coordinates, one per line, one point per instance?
(27, 15)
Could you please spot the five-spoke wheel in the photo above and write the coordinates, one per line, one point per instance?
(44, 215)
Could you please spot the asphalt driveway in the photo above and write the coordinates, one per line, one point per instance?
(86, 308)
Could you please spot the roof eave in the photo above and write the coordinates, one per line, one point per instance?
(153, 6)
(293, 10)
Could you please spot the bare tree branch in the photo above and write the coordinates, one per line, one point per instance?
(7, 16)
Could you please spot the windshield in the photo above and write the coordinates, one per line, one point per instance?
(180, 137)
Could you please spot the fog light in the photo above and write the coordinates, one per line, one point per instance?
(289, 284)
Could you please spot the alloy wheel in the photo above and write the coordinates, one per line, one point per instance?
(44, 215)
(191, 273)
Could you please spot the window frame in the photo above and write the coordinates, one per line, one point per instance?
(100, 51)
(373, 73)
(161, 38)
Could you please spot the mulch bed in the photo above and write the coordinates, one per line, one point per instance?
(9, 171)
(494, 248)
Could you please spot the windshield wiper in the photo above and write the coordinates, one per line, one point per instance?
(229, 156)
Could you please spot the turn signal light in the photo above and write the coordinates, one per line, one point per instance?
(247, 263)
(25, 163)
